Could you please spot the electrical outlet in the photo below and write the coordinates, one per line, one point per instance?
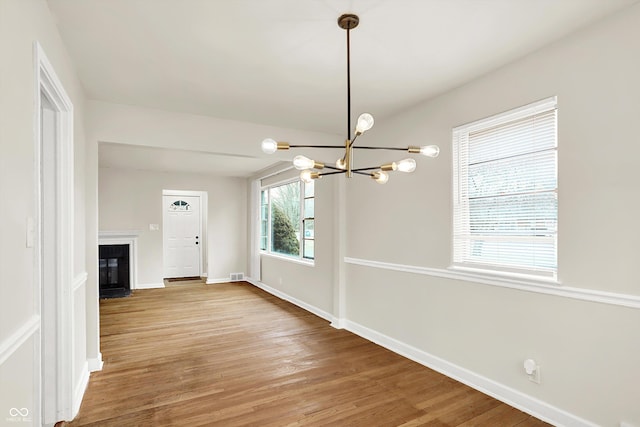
(535, 375)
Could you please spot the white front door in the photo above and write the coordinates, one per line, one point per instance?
(182, 236)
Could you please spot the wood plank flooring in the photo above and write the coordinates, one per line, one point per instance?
(232, 355)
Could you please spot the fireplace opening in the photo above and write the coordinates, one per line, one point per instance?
(114, 271)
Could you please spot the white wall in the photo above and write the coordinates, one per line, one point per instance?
(21, 24)
(131, 200)
(588, 351)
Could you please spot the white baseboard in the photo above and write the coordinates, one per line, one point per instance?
(150, 285)
(214, 281)
(339, 323)
(508, 395)
(95, 364)
(310, 308)
(79, 389)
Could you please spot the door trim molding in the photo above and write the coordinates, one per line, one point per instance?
(204, 220)
(47, 82)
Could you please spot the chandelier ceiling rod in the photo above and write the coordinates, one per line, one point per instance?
(344, 165)
(347, 22)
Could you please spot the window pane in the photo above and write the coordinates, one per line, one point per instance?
(527, 173)
(309, 205)
(263, 235)
(285, 219)
(309, 189)
(309, 228)
(309, 249)
(536, 254)
(521, 215)
(264, 218)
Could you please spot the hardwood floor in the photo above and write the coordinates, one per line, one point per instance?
(233, 355)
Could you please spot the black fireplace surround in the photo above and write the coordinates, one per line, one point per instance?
(114, 271)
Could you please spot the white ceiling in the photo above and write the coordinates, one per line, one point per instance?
(283, 62)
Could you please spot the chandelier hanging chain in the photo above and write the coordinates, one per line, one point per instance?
(365, 121)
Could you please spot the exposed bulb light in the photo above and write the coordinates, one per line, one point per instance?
(301, 163)
(269, 146)
(307, 176)
(381, 177)
(341, 164)
(365, 122)
(430, 150)
(406, 165)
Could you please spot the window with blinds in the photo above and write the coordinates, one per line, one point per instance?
(505, 199)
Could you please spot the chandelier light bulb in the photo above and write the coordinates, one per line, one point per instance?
(301, 163)
(430, 150)
(381, 177)
(307, 176)
(406, 165)
(341, 164)
(269, 146)
(365, 122)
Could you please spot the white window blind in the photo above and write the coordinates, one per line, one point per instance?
(505, 192)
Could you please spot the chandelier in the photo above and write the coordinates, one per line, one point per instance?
(312, 169)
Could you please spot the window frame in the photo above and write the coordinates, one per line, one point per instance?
(461, 258)
(300, 258)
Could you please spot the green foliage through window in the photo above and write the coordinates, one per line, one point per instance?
(287, 222)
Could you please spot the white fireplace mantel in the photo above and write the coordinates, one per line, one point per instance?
(124, 237)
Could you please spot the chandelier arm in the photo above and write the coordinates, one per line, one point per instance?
(366, 169)
(354, 139)
(316, 146)
(332, 173)
(362, 173)
(382, 148)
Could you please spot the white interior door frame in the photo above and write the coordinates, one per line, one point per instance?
(204, 215)
(47, 85)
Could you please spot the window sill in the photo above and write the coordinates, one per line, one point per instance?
(302, 261)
